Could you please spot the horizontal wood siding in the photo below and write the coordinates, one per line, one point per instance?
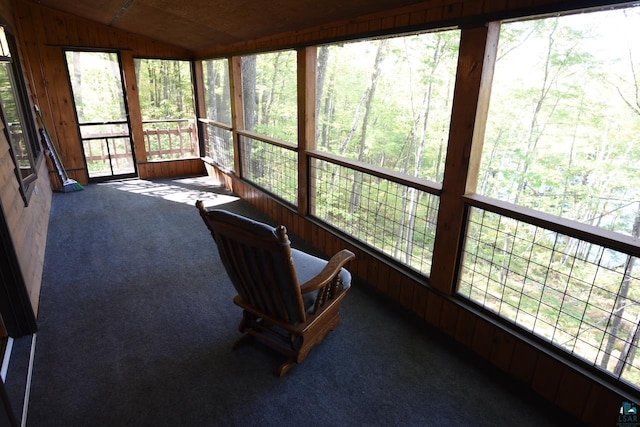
(27, 225)
(569, 388)
(173, 168)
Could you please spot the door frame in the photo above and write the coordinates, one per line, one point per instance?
(127, 118)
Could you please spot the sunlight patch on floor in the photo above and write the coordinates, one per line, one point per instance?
(180, 190)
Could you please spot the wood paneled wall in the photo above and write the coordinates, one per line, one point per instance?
(569, 387)
(27, 224)
(44, 34)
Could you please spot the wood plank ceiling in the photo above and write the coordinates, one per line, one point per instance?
(202, 24)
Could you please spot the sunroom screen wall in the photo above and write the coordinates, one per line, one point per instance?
(556, 379)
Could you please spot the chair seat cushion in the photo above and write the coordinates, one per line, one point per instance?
(309, 266)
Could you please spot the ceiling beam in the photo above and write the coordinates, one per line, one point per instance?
(121, 12)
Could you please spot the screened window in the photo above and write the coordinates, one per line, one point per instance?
(564, 119)
(17, 121)
(217, 123)
(388, 102)
(167, 107)
(395, 217)
(269, 91)
(268, 150)
(560, 169)
(383, 112)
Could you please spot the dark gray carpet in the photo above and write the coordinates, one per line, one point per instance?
(136, 325)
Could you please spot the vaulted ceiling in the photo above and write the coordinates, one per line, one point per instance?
(201, 24)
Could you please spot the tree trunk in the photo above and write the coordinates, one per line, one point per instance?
(267, 101)
(77, 82)
(249, 108)
(224, 108)
(628, 349)
(404, 244)
(212, 78)
(178, 88)
(621, 300)
(249, 91)
(321, 74)
(368, 97)
(536, 129)
(328, 111)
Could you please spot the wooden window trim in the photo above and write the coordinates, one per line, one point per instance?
(476, 60)
(421, 184)
(273, 141)
(571, 228)
(215, 123)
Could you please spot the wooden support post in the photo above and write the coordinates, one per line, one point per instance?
(133, 101)
(306, 124)
(237, 112)
(201, 109)
(477, 55)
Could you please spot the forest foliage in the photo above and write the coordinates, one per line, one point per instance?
(561, 139)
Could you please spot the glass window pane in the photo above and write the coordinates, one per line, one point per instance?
(4, 44)
(167, 108)
(564, 118)
(97, 86)
(217, 99)
(269, 90)
(388, 102)
(13, 121)
(16, 119)
(216, 90)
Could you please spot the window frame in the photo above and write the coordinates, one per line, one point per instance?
(34, 149)
(210, 126)
(561, 225)
(193, 120)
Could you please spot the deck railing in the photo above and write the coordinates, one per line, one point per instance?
(164, 139)
(170, 139)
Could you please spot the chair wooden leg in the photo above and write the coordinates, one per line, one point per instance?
(315, 335)
(284, 368)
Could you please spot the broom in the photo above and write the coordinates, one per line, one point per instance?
(68, 184)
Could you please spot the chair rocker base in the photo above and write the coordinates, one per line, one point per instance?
(294, 344)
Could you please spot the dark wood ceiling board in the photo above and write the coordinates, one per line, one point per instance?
(201, 24)
(100, 11)
(166, 27)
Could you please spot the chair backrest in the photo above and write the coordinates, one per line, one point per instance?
(257, 258)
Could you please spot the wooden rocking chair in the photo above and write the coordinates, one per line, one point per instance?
(290, 299)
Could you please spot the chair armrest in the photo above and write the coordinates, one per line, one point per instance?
(329, 271)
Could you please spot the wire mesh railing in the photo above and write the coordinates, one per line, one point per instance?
(274, 168)
(582, 297)
(395, 218)
(219, 145)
